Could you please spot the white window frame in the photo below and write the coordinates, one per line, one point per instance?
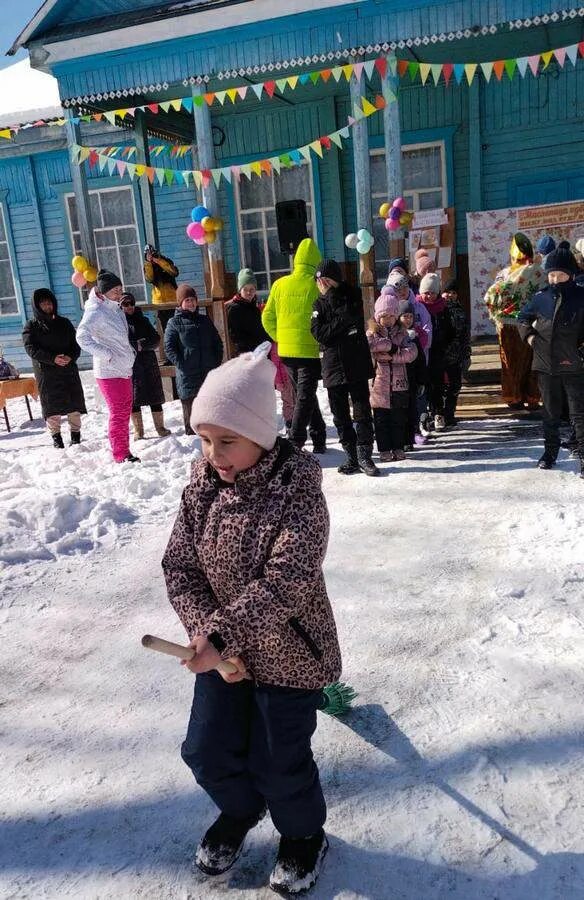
(379, 151)
(262, 210)
(16, 312)
(107, 190)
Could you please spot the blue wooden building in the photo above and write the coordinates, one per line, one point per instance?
(492, 143)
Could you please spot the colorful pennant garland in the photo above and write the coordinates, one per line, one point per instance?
(97, 157)
(405, 68)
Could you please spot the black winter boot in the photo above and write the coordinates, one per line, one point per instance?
(75, 437)
(351, 464)
(366, 464)
(58, 441)
(223, 842)
(547, 461)
(298, 864)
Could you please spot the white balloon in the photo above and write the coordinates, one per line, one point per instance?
(351, 241)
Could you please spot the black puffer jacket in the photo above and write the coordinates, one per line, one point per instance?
(146, 379)
(193, 345)
(244, 324)
(45, 338)
(338, 325)
(555, 316)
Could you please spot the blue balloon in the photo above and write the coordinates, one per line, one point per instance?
(198, 213)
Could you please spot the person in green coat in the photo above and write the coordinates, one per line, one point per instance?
(286, 318)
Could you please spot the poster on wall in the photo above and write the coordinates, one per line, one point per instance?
(489, 238)
(434, 231)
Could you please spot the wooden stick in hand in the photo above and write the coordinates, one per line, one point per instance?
(171, 649)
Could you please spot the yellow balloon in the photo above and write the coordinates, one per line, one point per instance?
(207, 223)
(384, 210)
(218, 224)
(79, 263)
(90, 274)
(210, 237)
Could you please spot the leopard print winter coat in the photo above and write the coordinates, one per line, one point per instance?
(245, 562)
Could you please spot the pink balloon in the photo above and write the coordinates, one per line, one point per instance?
(195, 230)
(78, 280)
(400, 203)
(393, 224)
(200, 241)
(388, 224)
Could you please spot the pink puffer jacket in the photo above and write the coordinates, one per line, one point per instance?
(392, 350)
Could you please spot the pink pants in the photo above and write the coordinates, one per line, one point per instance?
(117, 393)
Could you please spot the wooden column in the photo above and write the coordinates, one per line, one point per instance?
(205, 159)
(393, 152)
(79, 179)
(146, 189)
(475, 149)
(363, 198)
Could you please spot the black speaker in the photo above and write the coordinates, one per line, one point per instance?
(291, 222)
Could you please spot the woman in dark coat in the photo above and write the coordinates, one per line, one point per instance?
(146, 379)
(193, 345)
(49, 340)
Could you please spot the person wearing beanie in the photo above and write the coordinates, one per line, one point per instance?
(193, 346)
(425, 266)
(103, 332)
(339, 327)
(243, 571)
(457, 353)
(552, 324)
(443, 334)
(244, 320)
(399, 263)
(286, 318)
(511, 290)
(544, 246)
(416, 372)
(392, 350)
(49, 340)
(422, 319)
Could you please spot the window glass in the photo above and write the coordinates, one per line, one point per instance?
(105, 238)
(117, 207)
(259, 244)
(8, 301)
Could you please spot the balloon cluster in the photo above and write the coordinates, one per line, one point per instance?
(203, 227)
(84, 273)
(362, 241)
(396, 215)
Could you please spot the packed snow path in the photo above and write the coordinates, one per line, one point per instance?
(458, 584)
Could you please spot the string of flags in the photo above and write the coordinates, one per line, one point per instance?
(273, 88)
(95, 157)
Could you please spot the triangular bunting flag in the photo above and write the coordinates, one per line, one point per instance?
(347, 71)
(392, 63)
(402, 67)
(317, 147)
(220, 95)
(326, 74)
(581, 48)
(380, 102)
(293, 81)
(522, 65)
(140, 170)
(381, 66)
(305, 152)
(165, 105)
(344, 132)
(424, 71)
(285, 160)
(121, 113)
(436, 72)
(270, 87)
(83, 154)
(351, 121)
(131, 170)
(6, 133)
(256, 168)
(246, 170)
(168, 176)
(93, 158)
(209, 99)
(110, 116)
(232, 94)
(499, 68)
(459, 72)
(572, 53)
(226, 172)
(242, 91)
(413, 69)
(369, 68)
(266, 166)
(547, 58)
(281, 84)
(337, 72)
(197, 178)
(176, 104)
(367, 107)
(335, 137)
(99, 116)
(304, 78)
(160, 176)
(102, 161)
(560, 55)
(188, 104)
(121, 167)
(257, 89)
(296, 156)
(275, 161)
(150, 174)
(216, 173)
(314, 76)
(510, 66)
(469, 71)
(325, 142)
(358, 70)
(533, 62)
(153, 107)
(358, 113)
(198, 100)
(447, 70)
(111, 165)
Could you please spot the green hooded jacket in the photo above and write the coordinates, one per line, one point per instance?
(288, 311)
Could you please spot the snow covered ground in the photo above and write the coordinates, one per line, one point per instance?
(458, 584)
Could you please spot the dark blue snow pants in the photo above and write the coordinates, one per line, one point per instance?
(248, 745)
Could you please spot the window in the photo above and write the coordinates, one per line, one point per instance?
(423, 184)
(8, 301)
(256, 212)
(116, 236)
